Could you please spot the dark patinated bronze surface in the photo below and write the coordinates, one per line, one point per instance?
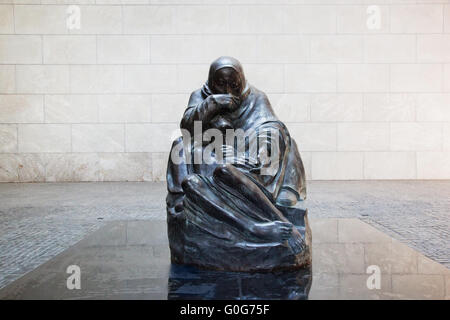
(233, 215)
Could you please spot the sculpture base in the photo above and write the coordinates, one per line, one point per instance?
(193, 246)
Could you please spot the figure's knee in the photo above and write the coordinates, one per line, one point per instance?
(176, 155)
(224, 170)
(191, 182)
(177, 141)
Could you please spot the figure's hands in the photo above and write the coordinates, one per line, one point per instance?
(226, 102)
(216, 104)
(238, 159)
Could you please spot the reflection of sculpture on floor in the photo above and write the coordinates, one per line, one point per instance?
(239, 208)
(191, 283)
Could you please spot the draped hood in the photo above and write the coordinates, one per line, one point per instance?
(254, 108)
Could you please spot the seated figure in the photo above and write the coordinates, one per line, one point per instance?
(236, 209)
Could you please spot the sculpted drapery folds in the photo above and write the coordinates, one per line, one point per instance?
(236, 182)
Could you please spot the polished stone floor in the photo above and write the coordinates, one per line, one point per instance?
(130, 260)
(39, 221)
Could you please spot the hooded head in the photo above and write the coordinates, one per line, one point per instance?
(226, 76)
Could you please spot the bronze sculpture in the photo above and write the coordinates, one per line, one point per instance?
(235, 207)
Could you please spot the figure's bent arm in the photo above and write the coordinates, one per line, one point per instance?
(198, 109)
